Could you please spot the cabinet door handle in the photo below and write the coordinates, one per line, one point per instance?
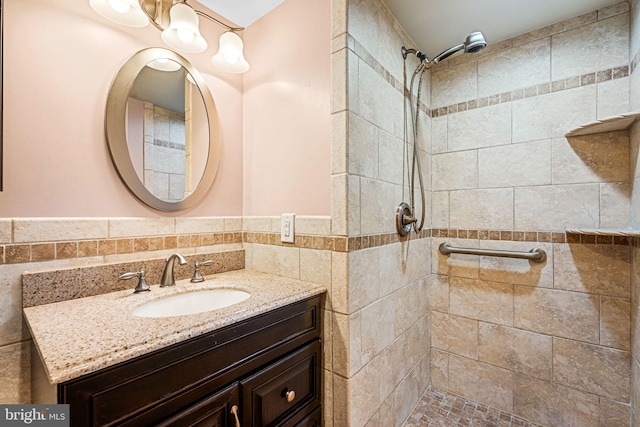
(234, 411)
(290, 395)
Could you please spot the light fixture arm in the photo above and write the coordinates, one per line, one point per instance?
(211, 18)
(158, 13)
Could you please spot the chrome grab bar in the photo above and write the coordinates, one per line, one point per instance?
(535, 254)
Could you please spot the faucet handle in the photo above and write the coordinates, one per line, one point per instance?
(197, 277)
(142, 283)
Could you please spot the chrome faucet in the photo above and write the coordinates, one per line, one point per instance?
(168, 278)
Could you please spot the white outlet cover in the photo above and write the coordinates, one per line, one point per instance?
(287, 227)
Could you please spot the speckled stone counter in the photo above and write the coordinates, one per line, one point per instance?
(81, 336)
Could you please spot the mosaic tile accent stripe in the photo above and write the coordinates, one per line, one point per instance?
(35, 252)
(537, 90)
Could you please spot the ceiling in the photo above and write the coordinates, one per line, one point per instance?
(436, 25)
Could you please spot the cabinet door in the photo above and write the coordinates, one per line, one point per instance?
(216, 410)
(287, 389)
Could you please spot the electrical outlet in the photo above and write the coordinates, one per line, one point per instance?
(287, 227)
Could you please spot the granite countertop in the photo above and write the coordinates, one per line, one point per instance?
(80, 336)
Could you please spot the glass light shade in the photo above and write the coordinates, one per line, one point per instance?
(230, 57)
(183, 33)
(125, 12)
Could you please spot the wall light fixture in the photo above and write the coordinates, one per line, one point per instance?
(180, 27)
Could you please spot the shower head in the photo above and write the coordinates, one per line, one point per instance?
(475, 42)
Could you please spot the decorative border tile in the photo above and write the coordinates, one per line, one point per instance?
(36, 252)
(537, 90)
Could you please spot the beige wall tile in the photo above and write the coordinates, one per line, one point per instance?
(517, 271)
(614, 414)
(390, 158)
(15, 378)
(315, 266)
(131, 227)
(591, 158)
(521, 66)
(596, 269)
(454, 85)
(341, 73)
(488, 209)
(352, 209)
(5, 231)
(346, 340)
(613, 97)
(339, 142)
(340, 282)
(439, 293)
(458, 265)
(392, 268)
(314, 225)
(557, 207)
(440, 209)
(517, 350)
(364, 286)
(191, 225)
(363, 147)
(378, 327)
(476, 299)
(480, 127)
(615, 200)
(439, 132)
(278, 260)
(615, 321)
(635, 387)
(554, 114)
(593, 369)
(378, 204)
(515, 165)
(552, 404)
(634, 28)
(259, 224)
(340, 197)
(440, 369)
(458, 169)
(598, 46)
(26, 230)
(377, 101)
(232, 223)
(454, 334)
(558, 313)
(481, 382)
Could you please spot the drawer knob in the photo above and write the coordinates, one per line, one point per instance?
(290, 395)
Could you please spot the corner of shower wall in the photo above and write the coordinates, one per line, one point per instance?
(634, 216)
(380, 323)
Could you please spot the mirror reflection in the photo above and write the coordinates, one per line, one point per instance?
(167, 150)
(162, 130)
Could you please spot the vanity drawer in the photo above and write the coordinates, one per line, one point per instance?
(290, 386)
(149, 388)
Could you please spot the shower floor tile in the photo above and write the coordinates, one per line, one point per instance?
(441, 409)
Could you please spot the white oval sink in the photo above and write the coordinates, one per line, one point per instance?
(191, 303)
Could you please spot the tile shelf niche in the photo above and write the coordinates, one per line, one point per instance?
(624, 232)
(609, 124)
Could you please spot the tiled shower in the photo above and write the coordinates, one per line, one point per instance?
(551, 343)
(554, 343)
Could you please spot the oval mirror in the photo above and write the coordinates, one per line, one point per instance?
(162, 130)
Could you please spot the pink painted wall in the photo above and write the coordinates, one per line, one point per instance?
(287, 117)
(59, 60)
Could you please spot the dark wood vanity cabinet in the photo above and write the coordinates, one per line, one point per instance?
(265, 369)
